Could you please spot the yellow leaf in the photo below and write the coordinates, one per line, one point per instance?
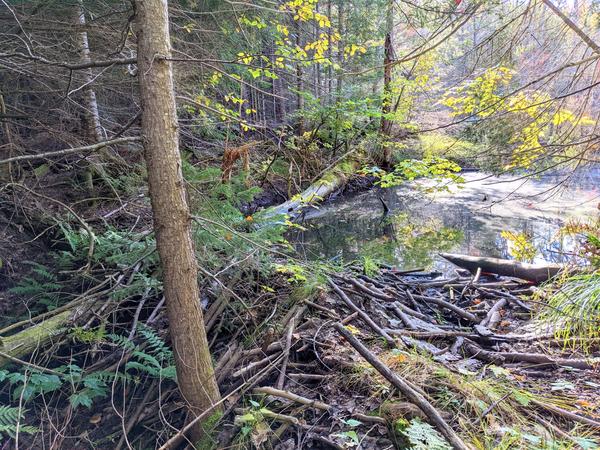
(352, 329)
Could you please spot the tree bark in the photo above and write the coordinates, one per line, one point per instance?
(386, 123)
(90, 103)
(172, 220)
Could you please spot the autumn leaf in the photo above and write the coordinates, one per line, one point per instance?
(352, 329)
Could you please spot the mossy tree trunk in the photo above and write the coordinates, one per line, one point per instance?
(172, 220)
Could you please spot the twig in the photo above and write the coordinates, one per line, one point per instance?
(137, 415)
(267, 390)
(254, 365)
(490, 408)
(30, 365)
(361, 313)
(567, 414)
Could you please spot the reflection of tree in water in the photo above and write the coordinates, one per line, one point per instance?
(397, 239)
(417, 229)
(418, 239)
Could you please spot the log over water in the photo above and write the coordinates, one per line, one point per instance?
(506, 267)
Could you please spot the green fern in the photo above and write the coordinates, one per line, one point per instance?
(157, 361)
(112, 248)
(10, 417)
(42, 286)
(121, 341)
(423, 436)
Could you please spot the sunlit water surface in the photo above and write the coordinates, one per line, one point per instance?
(467, 220)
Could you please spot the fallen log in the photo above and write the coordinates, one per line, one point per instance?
(538, 359)
(333, 180)
(530, 272)
(41, 334)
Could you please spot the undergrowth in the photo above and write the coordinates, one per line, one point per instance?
(32, 387)
(574, 308)
(492, 411)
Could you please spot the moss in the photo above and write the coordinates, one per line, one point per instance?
(342, 169)
(209, 425)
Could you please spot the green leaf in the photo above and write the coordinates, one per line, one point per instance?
(352, 422)
(80, 399)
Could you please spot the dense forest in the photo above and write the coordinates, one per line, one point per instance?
(281, 224)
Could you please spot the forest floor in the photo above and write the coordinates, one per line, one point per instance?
(386, 360)
(465, 346)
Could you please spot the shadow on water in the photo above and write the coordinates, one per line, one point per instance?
(469, 220)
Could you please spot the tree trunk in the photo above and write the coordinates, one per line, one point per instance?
(6, 144)
(172, 221)
(299, 82)
(342, 31)
(386, 123)
(90, 103)
(329, 59)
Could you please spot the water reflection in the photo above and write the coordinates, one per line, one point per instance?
(469, 220)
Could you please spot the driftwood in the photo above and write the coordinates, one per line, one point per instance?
(405, 388)
(531, 272)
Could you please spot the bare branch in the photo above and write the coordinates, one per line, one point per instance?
(69, 151)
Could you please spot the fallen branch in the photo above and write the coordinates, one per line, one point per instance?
(266, 390)
(405, 389)
(443, 303)
(70, 151)
(363, 315)
(534, 358)
(288, 347)
(567, 414)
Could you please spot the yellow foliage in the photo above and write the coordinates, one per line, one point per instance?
(520, 246)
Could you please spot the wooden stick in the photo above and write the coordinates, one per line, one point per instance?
(267, 390)
(443, 303)
(288, 347)
(361, 313)
(567, 414)
(350, 318)
(405, 389)
(493, 316)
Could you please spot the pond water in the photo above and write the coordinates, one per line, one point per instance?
(467, 219)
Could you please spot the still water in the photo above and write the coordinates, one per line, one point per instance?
(467, 219)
